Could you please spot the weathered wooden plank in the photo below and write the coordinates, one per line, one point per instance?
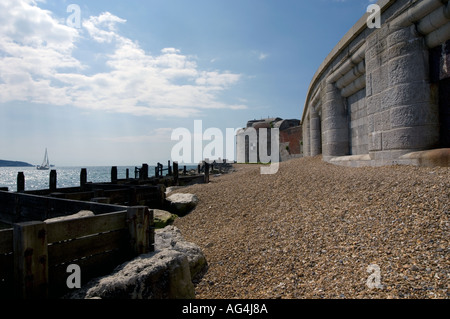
(86, 246)
(7, 208)
(23, 207)
(81, 196)
(31, 260)
(6, 241)
(118, 196)
(75, 228)
(60, 207)
(141, 230)
(92, 267)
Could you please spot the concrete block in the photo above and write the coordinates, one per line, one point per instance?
(359, 122)
(414, 115)
(372, 39)
(373, 64)
(382, 121)
(315, 123)
(369, 89)
(405, 47)
(380, 79)
(410, 138)
(360, 149)
(375, 141)
(401, 71)
(399, 36)
(375, 49)
(337, 149)
(336, 135)
(405, 94)
(387, 157)
(332, 123)
(330, 88)
(371, 123)
(334, 109)
(430, 158)
(373, 104)
(332, 96)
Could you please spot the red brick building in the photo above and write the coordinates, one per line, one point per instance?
(290, 139)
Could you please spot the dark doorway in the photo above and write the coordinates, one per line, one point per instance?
(440, 78)
(444, 112)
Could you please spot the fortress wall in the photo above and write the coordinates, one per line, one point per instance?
(373, 95)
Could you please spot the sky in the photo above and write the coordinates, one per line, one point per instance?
(105, 83)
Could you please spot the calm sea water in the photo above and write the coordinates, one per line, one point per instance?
(66, 176)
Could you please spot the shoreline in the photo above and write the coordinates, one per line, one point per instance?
(313, 230)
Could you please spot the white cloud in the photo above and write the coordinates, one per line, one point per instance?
(38, 65)
(262, 56)
(158, 135)
(259, 55)
(106, 20)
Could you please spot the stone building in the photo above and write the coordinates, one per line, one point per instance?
(290, 139)
(382, 96)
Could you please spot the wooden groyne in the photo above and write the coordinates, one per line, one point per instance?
(35, 254)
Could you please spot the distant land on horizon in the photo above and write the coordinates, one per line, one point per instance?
(4, 163)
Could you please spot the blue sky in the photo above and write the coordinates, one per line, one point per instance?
(111, 90)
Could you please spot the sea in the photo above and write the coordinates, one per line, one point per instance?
(66, 176)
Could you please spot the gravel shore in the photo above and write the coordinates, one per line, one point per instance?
(313, 230)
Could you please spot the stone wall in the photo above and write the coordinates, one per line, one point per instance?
(357, 109)
(374, 95)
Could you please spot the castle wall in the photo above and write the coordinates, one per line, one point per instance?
(374, 95)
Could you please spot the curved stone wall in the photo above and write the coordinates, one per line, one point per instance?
(373, 96)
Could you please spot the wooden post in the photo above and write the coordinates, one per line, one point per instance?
(114, 174)
(169, 167)
(175, 173)
(31, 260)
(83, 177)
(140, 226)
(184, 170)
(156, 171)
(206, 172)
(20, 182)
(127, 173)
(53, 180)
(144, 171)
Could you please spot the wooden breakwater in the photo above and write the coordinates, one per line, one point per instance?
(34, 254)
(174, 177)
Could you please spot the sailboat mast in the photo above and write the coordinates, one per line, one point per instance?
(47, 162)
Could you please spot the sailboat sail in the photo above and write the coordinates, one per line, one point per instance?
(45, 163)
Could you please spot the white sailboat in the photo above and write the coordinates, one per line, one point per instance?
(45, 163)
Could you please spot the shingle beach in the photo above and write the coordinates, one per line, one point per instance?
(316, 230)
